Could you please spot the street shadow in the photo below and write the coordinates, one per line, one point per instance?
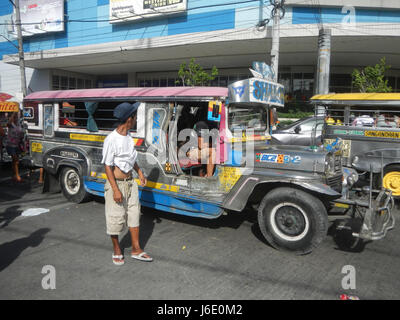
(11, 190)
(146, 228)
(10, 251)
(9, 215)
(341, 232)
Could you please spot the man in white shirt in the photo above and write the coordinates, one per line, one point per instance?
(121, 191)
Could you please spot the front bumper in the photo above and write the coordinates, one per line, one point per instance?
(376, 214)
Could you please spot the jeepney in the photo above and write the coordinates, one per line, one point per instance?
(369, 126)
(293, 187)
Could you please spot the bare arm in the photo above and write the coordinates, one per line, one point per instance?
(113, 184)
(142, 178)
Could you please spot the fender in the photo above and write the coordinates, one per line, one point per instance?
(74, 157)
(376, 158)
(237, 198)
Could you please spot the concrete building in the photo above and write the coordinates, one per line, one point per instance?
(102, 45)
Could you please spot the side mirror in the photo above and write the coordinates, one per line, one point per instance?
(297, 129)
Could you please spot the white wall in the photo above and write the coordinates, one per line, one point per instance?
(10, 79)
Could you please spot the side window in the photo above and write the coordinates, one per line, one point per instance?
(72, 114)
(307, 126)
(31, 113)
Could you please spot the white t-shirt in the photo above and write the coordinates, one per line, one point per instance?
(119, 150)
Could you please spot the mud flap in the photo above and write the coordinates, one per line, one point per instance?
(51, 183)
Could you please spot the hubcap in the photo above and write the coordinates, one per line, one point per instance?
(289, 221)
(72, 182)
(391, 181)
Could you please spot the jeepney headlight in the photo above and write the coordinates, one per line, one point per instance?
(329, 164)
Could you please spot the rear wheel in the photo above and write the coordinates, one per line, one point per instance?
(292, 220)
(72, 185)
(391, 180)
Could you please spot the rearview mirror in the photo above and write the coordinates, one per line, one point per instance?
(297, 129)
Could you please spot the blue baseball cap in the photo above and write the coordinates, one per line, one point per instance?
(124, 110)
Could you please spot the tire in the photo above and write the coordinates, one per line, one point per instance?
(391, 180)
(72, 185)
(292, 220)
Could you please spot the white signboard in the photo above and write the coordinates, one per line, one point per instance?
(257, 90)
(127, 10)
(40, 16)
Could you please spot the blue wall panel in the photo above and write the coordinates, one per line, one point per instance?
(306, 15)
(210, 21)
(5, 7)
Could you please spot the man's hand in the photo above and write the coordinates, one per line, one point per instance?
(117, 196)
(142, 178)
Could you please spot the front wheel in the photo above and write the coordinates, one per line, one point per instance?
(292, 220)
(72, 185)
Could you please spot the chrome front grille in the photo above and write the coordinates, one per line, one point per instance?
(335, 182)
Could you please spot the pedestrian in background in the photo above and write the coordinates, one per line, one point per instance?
(121, 190)
(2, 135)
(13, 142)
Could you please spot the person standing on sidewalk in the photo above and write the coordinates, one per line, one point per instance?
(13, 141)
(121, 191)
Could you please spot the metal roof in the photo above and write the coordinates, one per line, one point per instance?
(136, 93)
(372, 99)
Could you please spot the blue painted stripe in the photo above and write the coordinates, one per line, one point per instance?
(5, 8)
(164, 200)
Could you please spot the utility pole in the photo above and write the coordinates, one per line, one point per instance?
(20, 47)
(324, 61)
(277, 14)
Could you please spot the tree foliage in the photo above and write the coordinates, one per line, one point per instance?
(372, 78)
(194, 75)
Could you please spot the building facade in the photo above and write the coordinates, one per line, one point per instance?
(106, 43)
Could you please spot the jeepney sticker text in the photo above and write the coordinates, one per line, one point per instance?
(349, 132)
(37, 147)
(383, 134)
(277, 158)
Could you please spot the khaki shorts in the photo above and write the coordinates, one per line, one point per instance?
(125, 213)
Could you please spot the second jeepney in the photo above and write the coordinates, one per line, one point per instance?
(292, 187)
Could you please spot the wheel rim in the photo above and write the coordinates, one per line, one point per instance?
(391, 181)
(72, 182)
(289, 221)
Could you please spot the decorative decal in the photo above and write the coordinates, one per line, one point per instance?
(277, 158)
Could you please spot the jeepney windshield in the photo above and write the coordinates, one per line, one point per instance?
(246, 117)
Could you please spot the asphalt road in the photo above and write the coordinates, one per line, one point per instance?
(193, 258)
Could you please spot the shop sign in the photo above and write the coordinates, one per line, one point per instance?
(129, 10)
(7, 106)
(40, 16)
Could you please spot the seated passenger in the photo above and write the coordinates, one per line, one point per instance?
(203, 153)
(363, 121)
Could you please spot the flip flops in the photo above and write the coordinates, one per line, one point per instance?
(141, 257)
(119, 257)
